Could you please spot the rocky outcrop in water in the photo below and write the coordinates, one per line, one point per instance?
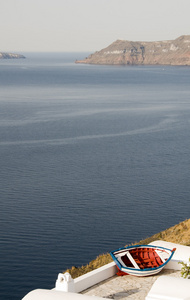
(4, 55)
(121, 52)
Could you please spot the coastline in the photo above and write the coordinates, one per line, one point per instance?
(122, 52)
(5, 55)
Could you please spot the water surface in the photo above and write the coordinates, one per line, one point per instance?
(92, 158)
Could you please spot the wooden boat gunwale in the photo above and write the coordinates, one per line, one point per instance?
(136, 271)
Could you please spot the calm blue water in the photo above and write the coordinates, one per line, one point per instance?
(91, 158)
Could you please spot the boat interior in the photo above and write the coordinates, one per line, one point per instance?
(143, 257)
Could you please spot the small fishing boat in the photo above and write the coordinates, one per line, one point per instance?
(141, 260)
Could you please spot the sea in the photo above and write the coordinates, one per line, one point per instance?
(92, 158)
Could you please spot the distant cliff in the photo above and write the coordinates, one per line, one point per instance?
(4, 55)
(121, 52)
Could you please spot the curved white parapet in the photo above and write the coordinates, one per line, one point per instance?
(57, 295)
(182, 253)
(65, 282)
(169, 288)
(96, 276)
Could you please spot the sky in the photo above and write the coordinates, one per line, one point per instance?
(88, 25)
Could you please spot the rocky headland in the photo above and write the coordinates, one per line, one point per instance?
(4, 55)
(121, 52)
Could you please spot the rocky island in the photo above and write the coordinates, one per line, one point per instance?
(122, 52)
(4, 55)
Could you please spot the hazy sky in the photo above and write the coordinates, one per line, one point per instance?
(88, 25)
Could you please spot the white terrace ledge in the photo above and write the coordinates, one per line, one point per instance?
(66, 283)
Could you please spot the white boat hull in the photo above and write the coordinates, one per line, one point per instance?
(141, 260)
